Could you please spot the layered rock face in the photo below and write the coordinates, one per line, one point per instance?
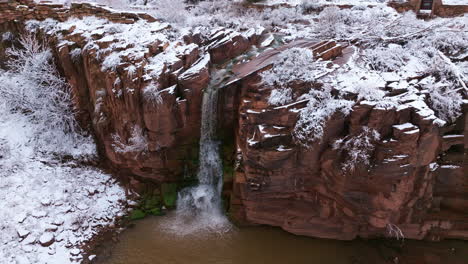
(414, 186)
(138, 84)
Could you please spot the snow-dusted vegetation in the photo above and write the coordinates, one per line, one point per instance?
(313, 118)
(358, 149)
(52, 202)
(296, 64)
(137, 142)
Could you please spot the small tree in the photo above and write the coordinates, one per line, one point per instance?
(32, 87)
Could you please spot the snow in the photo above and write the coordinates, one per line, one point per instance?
(415, 131)
(282, 148)
(202, 63)
(453, 136)
(455, 2)
(404, 126)
(44, 197)
(46, 239)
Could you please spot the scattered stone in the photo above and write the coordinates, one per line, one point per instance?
(27, 248)
(82, 206)
(46, 239)
(22, 233)
(51, 228)
(46, 202)
(39, 213)
(20, 217)
(75, 252)
(29, 240)
(58, 221)
(51, 250)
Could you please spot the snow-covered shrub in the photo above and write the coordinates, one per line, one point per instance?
(322, 105)
(386, 59)
(152, 94)
(295, 64)
(368, 90)
(404, 25)
(280, 96)
(7, 36)
(279, 16)
(446, 101)
(111, 62)
(75, 54)
(136, 143)
(32, 88)
(331, 22)
(308, 6)
(358, 149)
(451, 43)
(173, 11)
(131, 71)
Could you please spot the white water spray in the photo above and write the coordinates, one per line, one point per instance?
(199, 207)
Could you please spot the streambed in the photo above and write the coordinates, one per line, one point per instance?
(149, 242)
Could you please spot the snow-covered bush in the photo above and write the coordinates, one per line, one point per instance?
(368, 90)
(308, 6)
(137, 142)
(75, 54)
(152, 94)
(331, 22)
(33, 88)
(310, 126)
(446, 101)
(295, 64)
(386, 59)
(451, 43)
(358, 148)
(7, 36)
(173, 11)
(111, 62)
(280, 96)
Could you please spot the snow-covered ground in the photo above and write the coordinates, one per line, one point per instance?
(327, 2)
(50, 202)
(455, 2)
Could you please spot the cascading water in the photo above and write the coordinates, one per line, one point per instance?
(200, 207)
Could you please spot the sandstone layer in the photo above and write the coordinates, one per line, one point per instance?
(142, 98)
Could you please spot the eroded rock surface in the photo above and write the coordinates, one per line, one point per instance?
(306, 190)
(138, 86)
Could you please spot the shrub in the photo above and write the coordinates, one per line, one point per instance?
(33, 88)
(358, 148)
(280, 96)
(137, 142)
(312, 119)
(386, 59)
(446, 102)
(295, 64)
(152, 94)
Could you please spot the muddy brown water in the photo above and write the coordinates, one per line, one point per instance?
(149, 242)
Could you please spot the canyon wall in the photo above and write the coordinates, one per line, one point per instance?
(417, 180)
(145, 114)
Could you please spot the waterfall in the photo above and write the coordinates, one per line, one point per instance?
(200, 206)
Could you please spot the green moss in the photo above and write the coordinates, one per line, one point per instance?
(151, 201)
(156, 212)
(169, 194)
(137, 214)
